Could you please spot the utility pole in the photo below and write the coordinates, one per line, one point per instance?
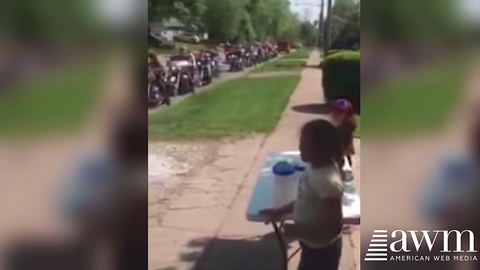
(327, 32)
(323, 39)
(320, 25)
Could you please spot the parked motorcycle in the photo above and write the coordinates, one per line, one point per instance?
(214, 64)
(215, 67)
(204, 67)
(272, 52)
(171, 81)
(247, 59)
(181, 81)
(182, 75)
(157, 92)
(263, 55)
(236, 62)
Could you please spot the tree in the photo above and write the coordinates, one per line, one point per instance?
(410, 20)
(291, 30)
(308, 33)
(187, 11)
(222, 18)
(225, 20)
(280, 10)
(246, 32)
(260, 17)
(345, 28)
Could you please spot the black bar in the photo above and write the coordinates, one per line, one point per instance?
(283, 247)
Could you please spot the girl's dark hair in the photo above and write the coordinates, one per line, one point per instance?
(324, 142)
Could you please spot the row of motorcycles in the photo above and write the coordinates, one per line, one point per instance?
(183, 74)
(241, 58)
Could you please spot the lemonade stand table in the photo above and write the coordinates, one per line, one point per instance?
(263, 197)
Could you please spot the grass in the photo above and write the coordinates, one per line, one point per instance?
(232, 109)
(416, 103)
(281, 65)
(191, 46)
(163, 51)
(55, 102)
(298, 54)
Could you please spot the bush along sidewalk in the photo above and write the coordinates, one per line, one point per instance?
(341, 76)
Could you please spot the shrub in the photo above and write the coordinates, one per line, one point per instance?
(341, 76)
(334, 51)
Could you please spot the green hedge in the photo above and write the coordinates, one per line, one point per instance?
(341, 76)
(334, 51)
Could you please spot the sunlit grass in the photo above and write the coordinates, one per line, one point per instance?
(235, 108)
(417, 102)
(57, 101)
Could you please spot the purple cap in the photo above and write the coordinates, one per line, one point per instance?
(342, 104)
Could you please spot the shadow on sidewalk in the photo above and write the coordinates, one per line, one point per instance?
(313, 108)
(36, 255)
(249, 253)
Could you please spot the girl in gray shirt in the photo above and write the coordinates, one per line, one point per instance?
(317, 211)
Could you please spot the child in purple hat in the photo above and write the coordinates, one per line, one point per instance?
(344, 118)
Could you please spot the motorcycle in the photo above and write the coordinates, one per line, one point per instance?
(157, 92)
(272, 52)
(205, 69)
(181, 81)
(262, 55)
(181, 75)
(215, 67)
(247, 58)
(171, 81)
(213, 57)
(236, 63)
(254, 57)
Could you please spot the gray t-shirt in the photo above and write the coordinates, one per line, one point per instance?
(315, 186)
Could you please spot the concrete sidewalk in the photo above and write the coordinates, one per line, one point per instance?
(203, 225)
(236, 228)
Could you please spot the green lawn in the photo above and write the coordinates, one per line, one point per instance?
(298, 54)
(281, 65)
(232, 109)
(415, 103)
(163, 51)
(55, 102)
(191, 46)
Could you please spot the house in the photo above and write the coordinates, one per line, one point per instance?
(168, 29)
(172, 28)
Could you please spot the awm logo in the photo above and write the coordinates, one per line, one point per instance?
(379, 247)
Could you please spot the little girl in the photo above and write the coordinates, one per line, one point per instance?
(344, 118)
(317, 211)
